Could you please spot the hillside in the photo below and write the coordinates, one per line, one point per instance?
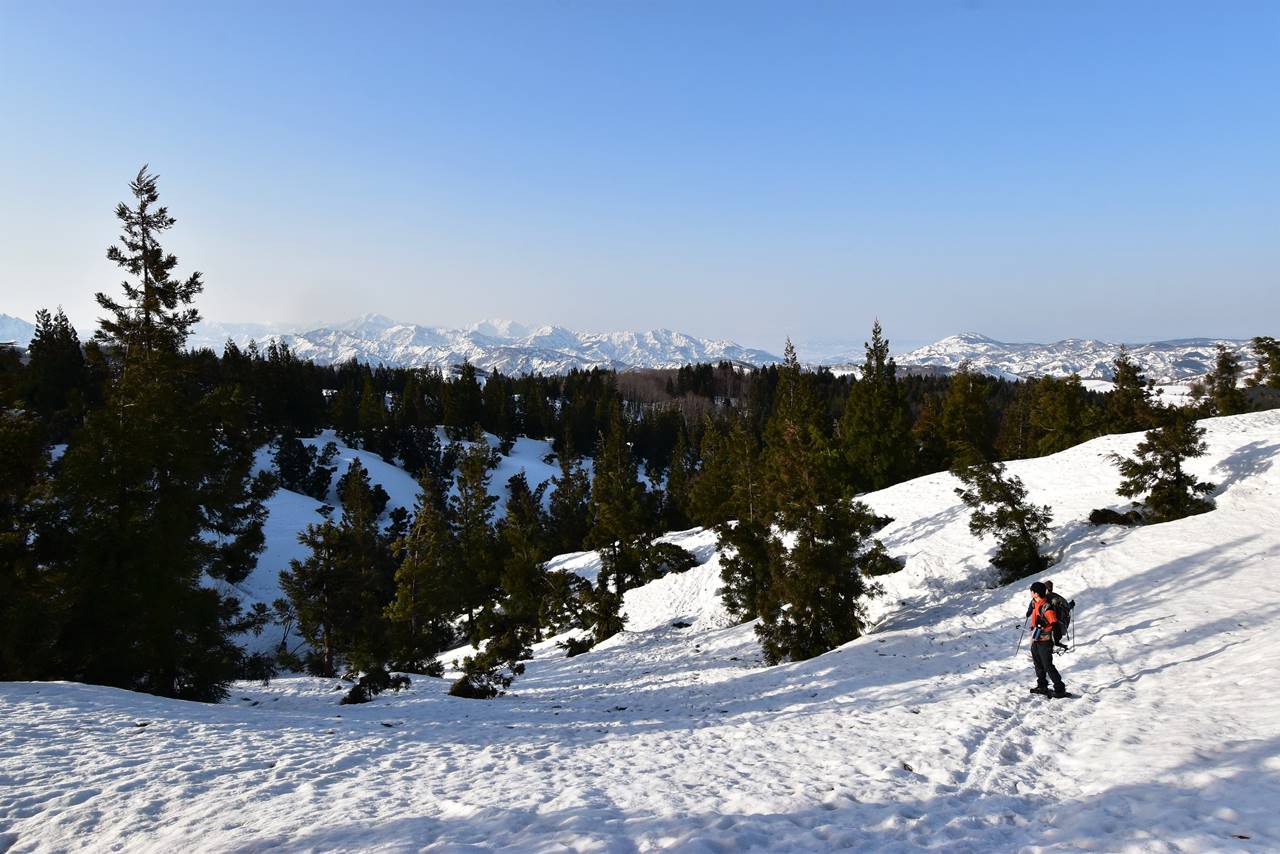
(920, 735)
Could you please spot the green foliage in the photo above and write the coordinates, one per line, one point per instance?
(931, 448)
(154, 494)
(1267, 373)
(875, 430)
(56, 383)
(156, 314)
(676, 497)
(463, 401)
(372, 683)
(304, 468)
(1130, 406)
(426, 591)
(1000, 507)
(1157, 469)
(340, 590)
(27, 623)
(818, 583)
(564, 604)
(471, 508)
(570, 504)
(747, 552)
(1219, 393)
(965, 421)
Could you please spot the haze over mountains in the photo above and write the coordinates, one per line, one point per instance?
(514, 348)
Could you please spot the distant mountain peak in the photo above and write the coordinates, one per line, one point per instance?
(1164, 361)
(510, 347)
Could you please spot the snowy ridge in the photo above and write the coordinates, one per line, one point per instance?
(918, 736)
(16, 330)
(510, 347)
(1163, 361)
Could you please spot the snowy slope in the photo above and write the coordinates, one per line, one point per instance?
(919, 735)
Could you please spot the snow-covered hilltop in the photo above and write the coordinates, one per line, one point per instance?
(510, 347)
(1163, 361)
(15, 330)
(918, 736)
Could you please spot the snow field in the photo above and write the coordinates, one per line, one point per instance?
(918, 736)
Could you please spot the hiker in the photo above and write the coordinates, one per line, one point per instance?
(1042, 619)
(1062, 610)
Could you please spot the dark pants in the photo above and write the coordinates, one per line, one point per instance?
(1042, 657)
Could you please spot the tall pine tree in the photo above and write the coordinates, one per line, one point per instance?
(875, 430)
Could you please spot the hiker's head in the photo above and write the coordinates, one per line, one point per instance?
(1048, 586)
(1039, 589)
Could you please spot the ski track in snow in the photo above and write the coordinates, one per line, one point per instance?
(919, 736)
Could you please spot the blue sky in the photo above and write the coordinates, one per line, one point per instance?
(746, 170)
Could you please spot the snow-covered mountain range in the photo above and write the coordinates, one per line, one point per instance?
(1163, 361)
(515, 348)
(510, 347)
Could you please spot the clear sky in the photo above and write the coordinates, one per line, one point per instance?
(1029, 170)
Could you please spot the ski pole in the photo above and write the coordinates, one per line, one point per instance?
(1021, 631)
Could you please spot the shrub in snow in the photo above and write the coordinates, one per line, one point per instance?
(1107, 516)
(1156, 469)
(372, 683)
(1000, 507)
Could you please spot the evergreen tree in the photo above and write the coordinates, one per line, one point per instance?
(1060, 414)
(28, 618)
(304, 469)
(500, 410)
(1267, 373)
(156, 314)
(1130, 404)
(675, 502)
(356, 472)
(1018, 438)
(472, 510)
(711, 487)
(340, 590)
(619, 527)
(818, 549)
(1156, 469)
(512, 627)
(1000, 507)
(371, 420)
(875, 431)
(463, 401)
(570, 503)
(797, 458)
(426, 586)
(155, 492)
(931, 448)
(1219, 393)
(966, 422)
(56, 381)
(747, 551)
(317, 591)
